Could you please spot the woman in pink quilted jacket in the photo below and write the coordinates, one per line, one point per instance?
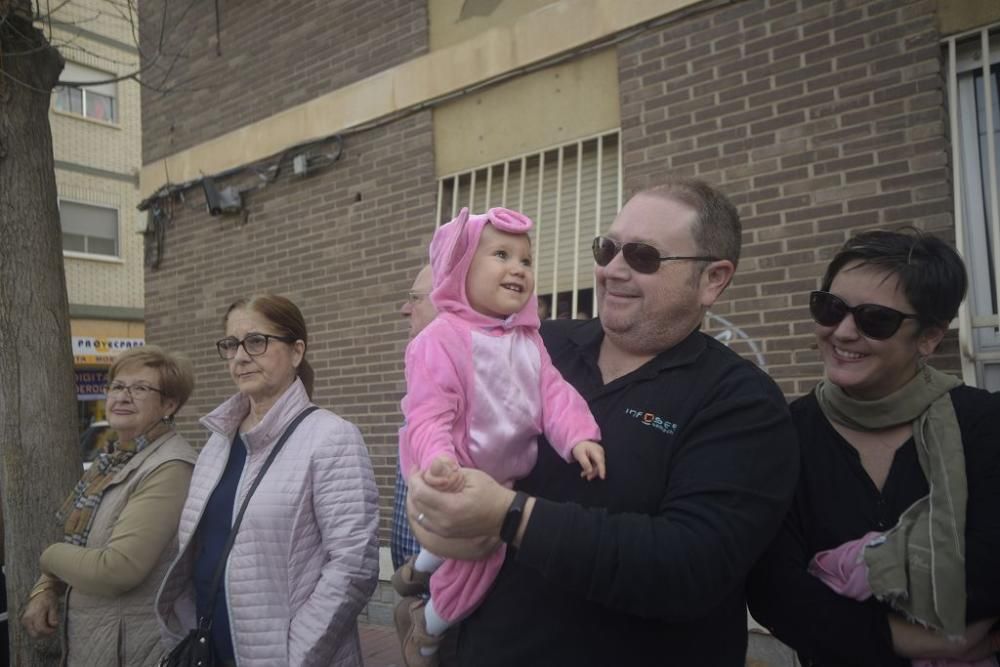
(480, 388)
(305, 558)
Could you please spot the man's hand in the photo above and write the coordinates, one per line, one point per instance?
(590, 456)
(448, 521)
(476, 510)
(41, 615)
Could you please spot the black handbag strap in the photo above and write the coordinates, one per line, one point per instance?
(205, 623)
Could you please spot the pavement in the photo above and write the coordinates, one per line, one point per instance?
(379, 646)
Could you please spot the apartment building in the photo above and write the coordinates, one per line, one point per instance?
(96, 133)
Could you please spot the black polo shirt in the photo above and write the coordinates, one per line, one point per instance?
(646, 567)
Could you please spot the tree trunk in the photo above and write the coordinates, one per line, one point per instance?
(40, 460)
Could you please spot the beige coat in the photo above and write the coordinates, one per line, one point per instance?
(112, 581)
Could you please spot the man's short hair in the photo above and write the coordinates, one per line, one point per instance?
(717, 230)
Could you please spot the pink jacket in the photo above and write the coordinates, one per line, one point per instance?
(305, 559)
(843, 569)
(480, 390)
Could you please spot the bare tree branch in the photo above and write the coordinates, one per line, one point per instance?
(154, 75)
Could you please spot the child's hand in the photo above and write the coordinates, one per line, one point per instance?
(590, 456)
(444, 475)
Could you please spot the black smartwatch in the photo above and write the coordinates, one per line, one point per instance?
(511, 522)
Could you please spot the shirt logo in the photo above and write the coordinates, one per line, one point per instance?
(653, 421)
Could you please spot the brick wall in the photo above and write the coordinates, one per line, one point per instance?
(344, 244)
(819, 119)
(273, 56)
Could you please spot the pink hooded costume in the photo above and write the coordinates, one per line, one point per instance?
(479, 391)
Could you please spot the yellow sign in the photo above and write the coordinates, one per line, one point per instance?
(101, 351)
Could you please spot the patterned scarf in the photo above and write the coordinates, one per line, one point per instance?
(918, 566)
(80, 507)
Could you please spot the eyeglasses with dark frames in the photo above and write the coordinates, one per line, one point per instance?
(872, 320)
(254, 343)
(641, 257)
(137, 392)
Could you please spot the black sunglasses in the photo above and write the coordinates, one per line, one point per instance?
(642, 257)
(874, 321)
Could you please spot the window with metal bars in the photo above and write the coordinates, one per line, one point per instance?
(974, 105)
(571, 191)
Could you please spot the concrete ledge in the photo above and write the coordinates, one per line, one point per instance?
(535, 37)
(92, 312)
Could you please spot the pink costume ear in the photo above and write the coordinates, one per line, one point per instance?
(509, 221)
(448, 245)
(459, 239)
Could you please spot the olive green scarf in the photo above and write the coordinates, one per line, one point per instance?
(918, 566)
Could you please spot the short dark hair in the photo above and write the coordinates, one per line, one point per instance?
(929, 270)
(717, 230)
(287, 318)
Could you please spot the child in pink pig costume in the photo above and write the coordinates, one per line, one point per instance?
(480, 389)
(844, 571)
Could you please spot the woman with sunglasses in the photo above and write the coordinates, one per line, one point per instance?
(889, 552)
(119, 522)
(305, 556)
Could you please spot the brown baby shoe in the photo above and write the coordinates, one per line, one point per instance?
(412, 631)
(408, 582)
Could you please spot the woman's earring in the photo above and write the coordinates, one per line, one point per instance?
(167, 419)
(924, 369)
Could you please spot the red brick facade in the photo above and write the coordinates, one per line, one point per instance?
(818, 122)
(274, 55)
(819, 119)
(344, 244)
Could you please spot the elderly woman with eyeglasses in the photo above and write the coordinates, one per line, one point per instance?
(304, 560)
(889, 553)
(120, 522)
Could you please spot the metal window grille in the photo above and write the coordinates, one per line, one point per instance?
(974, 107)
(571, 191)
